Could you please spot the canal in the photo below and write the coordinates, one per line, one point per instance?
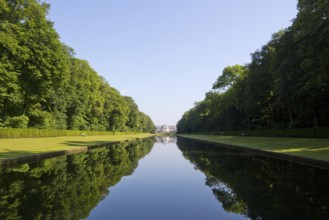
(164, 179)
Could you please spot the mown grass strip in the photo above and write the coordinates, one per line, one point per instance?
(303, 147)
(21, 147)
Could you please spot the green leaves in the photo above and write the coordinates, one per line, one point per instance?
(230, 77)
(286, 84)
(40, 78)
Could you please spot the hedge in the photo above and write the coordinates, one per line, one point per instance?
(36, 133)
(298, 133)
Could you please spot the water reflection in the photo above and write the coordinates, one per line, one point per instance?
(67, 187)
(166, 139)
(260, 187)
(165, 185)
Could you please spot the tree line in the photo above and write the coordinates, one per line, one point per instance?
(286, 84)
(43, 84)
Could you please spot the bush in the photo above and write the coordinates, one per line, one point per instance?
(40, 119)
(78, 123)
(59, 120)
(18, 121)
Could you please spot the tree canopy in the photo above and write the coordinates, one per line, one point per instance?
(286, 84)
(43, 85)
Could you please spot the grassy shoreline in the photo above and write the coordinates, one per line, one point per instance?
(25, 147)
(309, 148)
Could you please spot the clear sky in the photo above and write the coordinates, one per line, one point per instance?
(166, 54)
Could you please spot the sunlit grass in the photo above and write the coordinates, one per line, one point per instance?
(305, 147)
(12, 148)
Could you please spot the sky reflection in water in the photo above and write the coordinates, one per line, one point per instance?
(143, 180)
(164, 186)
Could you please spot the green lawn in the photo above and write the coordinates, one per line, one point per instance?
(13, 148)
(304, 147)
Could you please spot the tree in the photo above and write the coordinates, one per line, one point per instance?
(285, 85)
(41, 80)
(311, 29)
(134, 118)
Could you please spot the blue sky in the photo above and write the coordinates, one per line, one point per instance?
(166, 54)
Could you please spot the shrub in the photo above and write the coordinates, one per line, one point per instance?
(18, 121)
(78, 123)
(40, 119)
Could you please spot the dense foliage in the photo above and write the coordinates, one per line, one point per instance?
(260, 187)
(67, 187)
(286, 84)
(42, 84)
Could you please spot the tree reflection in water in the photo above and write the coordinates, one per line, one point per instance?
(67, 187)
(260, 187)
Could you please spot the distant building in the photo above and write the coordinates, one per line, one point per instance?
(165, 129)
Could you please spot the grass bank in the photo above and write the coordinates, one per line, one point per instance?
(317, 149)
(23, 147)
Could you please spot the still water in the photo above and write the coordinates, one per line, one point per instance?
(164, 180)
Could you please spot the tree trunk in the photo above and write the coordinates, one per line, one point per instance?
(291, 121)
(4, 108)
(25, 104)
(247, 118)
(315, 120)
